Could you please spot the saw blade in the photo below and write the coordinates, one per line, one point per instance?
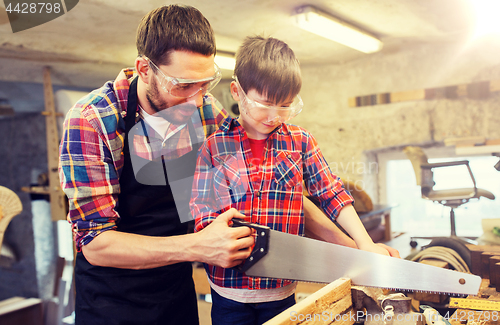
(305, 259)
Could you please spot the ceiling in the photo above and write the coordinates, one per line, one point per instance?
(92, 42)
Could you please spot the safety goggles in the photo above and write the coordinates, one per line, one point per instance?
(185, 88)
(266, 113)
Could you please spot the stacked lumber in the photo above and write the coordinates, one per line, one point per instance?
(330, 305)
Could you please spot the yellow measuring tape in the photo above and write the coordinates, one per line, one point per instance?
(477, 304)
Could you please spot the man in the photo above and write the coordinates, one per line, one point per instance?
(134, 253)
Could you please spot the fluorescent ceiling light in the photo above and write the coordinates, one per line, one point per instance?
(225, 61)
(322, 24)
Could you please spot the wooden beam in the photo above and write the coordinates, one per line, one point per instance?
(57, 197)
(332, 303)
(475, 90)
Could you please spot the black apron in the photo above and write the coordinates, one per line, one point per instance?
(164, 295)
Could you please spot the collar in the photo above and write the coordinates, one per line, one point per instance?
(121, 86)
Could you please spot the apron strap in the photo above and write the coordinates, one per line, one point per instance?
(131, 105)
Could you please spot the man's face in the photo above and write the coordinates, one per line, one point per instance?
(184, 65)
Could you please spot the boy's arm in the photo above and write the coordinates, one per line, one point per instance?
(336, 201)
(349, 220)
(319, 226)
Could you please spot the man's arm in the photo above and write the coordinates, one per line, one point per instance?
(90, 180)
(217, 244)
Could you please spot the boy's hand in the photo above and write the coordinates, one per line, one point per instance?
(222, 245)
(392, 251)
(374, 248)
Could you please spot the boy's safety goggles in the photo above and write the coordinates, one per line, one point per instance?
(185, 88)
(261, 112)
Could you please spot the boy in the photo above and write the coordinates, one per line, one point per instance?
(256, 164)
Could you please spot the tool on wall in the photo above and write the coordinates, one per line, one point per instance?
(10, 206)
(57, 197)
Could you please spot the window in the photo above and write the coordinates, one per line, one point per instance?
(418, 216)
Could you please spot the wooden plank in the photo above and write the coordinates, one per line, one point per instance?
(477, 150)
(492, 142)
(200, 279)
(352, 102)
(332, 303)
(493, 272)
(465, 141)
(57, 197)
(475, 90)
(494, 85)
(403, 96)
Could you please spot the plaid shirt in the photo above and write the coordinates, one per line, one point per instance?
(91, 157)
(269, 194)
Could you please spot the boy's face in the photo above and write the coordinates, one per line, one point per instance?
(259, 116)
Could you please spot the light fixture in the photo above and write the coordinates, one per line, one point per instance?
(225, 60)
(325, 25)
(486, 12)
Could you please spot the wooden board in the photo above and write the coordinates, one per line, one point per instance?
(331, 304)
(475, 90)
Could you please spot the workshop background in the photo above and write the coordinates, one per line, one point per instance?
(445, 72)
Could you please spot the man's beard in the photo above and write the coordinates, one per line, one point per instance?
(162, 108)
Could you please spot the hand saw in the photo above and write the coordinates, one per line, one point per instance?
(285, 256)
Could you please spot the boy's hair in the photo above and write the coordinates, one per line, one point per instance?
(174, 27)
(269, 66)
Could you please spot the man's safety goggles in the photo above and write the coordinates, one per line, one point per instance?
(185, 88)
(261, 112)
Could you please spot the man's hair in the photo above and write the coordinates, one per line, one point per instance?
(174, 27)
(269, 66)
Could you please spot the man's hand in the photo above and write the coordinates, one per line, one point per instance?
(222, 245)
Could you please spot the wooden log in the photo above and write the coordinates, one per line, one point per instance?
(485, 264)
(497, 270)
(492, 272)
(476, 251)
(332, 303)
(432, 297)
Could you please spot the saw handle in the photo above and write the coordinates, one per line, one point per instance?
(261, 244)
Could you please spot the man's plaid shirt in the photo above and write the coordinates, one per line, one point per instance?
(269, 194)
(91, 153)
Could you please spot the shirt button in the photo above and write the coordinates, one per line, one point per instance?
(289, 156)
(257, 193)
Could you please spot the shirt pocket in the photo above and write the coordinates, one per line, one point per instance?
(229, 181)
(288, 169)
